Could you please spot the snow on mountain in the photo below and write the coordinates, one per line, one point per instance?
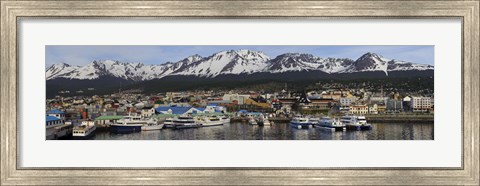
(58, 70)
(231, 62)
(293, 62)
(369, 62)
(226, 62)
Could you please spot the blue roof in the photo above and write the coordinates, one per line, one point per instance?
(55, 112)
(242, 111)
(175, 110)
(52, 118)
(212, 104)
(200, 109)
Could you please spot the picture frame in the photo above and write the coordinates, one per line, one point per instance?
(13, 11)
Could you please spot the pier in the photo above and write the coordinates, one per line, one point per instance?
(401, 118)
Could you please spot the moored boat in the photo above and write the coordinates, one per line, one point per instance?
(208, 121)
(252, 121)
(152, 125)
(300, 122)
(356, 123)
(184, 122)
(330, 124)
(84, 131)
(128, 124)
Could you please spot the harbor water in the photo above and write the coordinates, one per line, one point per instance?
(279, 131)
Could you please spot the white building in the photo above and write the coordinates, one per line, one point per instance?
(240, 98)
(421, 104)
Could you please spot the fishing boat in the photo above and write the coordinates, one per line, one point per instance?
(152, 125)
(330, 124)
(185, 122)
(300, 122)
(356, 123)
(128, 124)
(84, 131)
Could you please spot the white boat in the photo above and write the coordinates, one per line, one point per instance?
(252, 121)
(266, 122)
(355, 123)
(207, 121)
(183, 122)
(130, 123)
(225, 119)
(331, 124)
(84, 131)
(152, 125)
(300, 122)
(314, 121)
(168, 123)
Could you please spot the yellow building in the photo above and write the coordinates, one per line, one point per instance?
(258, 103)
(358, 109)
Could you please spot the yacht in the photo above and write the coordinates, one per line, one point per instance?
(314, 121)
(128, 124)
(152, 125)
(184, 122)
(168, 123)
(300, 122)
(330, 124)
(356, 123)
(84, 131)
(207, 121)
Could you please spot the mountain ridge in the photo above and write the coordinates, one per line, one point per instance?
(231, 62)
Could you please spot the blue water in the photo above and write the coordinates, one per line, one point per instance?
(280, 131)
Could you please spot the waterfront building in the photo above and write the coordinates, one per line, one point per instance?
(147, 112)
(394, 105)
(179, 110)
(240, 98)
(373, 109)
(421, 104)
(407, 103)
(56, 113)
(358, 109)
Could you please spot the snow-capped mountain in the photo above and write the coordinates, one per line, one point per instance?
(231, 62)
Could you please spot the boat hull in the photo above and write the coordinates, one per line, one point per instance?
(300, 125)
(154, 127)
(186, 126)
(125, 128)
(86, 137)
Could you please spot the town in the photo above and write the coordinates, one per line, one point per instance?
(78, 114)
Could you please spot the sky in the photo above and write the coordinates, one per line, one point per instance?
(152, 54)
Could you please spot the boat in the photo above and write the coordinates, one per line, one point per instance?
(266, 122)
(208, 121)
(330, 124)
(128, 124)
(152, 125)
(356, 123)
(185, 122)
(300, 122)
(252, 121)
(225, 119)
(314, 121)
(168, 123)
(84, 131)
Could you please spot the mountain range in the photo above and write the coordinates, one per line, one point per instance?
(231, 62)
